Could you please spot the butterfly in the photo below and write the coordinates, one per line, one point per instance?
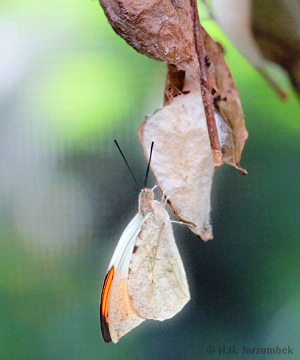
(145, 277)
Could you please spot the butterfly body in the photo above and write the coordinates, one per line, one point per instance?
(145, 277)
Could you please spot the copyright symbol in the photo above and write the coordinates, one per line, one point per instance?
(210, 349)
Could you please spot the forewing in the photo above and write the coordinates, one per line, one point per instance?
(117, 315)
(122, 315)
(130, 230)
(157, 282)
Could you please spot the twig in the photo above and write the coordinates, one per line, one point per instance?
(205, 89)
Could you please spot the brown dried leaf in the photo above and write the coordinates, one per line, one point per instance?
(174, 84)
(234, 18)
(182, 161)
(227, 100)
(168, 31)
(160, 29)
(276, 29)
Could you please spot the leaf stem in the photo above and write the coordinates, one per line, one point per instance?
(205, 89)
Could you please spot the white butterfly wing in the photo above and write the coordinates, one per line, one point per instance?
(122, 315)
(117, 315)
(131, 228)
(157, 282)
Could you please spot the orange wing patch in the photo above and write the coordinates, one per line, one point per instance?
(104, 304)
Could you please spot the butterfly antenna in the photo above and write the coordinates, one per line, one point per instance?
(127, 164)
(148, 167)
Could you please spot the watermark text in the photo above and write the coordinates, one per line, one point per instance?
(245, 350)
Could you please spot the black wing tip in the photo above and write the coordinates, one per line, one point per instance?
(103, 303)
(104, 329)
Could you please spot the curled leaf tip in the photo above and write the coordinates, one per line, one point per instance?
(242, 171)
(206, 234)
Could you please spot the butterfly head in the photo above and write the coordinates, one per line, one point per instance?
(145, 201)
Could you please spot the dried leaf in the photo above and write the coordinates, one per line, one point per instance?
(161, 30)
(168, 31)
(234, 18)
(182, 161)
(267, 18)
(276, 29)
(174, 84)
(227, 100)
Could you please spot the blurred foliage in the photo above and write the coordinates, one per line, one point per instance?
(70, 87)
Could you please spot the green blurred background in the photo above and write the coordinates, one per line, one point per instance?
(69, 86)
